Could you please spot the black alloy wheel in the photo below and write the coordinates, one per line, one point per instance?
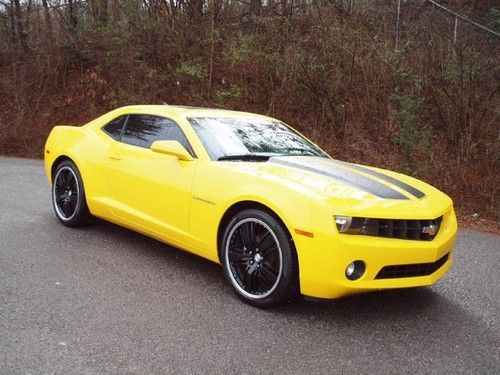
(259, 259)
(68, 195)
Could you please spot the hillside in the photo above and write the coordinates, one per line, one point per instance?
(419, 95)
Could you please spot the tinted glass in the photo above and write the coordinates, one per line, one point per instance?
(239, 136)
(114, 127)
(143, 130)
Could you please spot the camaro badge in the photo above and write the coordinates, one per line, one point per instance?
(431, 230)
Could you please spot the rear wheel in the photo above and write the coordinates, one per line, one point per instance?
(68, 195)
(259, 259)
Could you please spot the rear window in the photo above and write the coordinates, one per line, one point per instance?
(114, 127)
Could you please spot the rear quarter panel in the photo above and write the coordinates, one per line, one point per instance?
(85, 148)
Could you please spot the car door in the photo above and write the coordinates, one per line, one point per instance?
(151, 190)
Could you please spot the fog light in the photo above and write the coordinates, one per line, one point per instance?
(355, 270)
(350, 269)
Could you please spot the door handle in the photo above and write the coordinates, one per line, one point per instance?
(115, 156)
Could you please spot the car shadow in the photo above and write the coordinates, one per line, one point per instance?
(365, 306)
(413, 306)
(421, 327)
(156, 251)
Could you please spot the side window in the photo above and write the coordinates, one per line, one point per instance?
(143, 130)
(114, 127)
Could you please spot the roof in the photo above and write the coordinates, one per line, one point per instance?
(188, 111)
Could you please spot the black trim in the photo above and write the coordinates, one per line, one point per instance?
(411, 270)
(351, 178)
(189, 149)
(118, 138)
(244, 157)
(409, 189)
(410, 229)
(124, 127)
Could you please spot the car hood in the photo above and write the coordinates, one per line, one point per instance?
(353, 188)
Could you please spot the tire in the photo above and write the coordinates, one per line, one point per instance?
(68, 195)
(259, 259)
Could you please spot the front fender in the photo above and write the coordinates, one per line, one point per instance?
(214, 192)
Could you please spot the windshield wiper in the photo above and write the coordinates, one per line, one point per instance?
(245, 157)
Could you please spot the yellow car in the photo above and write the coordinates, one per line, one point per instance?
(247, 191)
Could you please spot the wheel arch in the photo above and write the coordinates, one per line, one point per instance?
(245, 205)
(56, 162)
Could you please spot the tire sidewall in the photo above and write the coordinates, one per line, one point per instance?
(81, 213)
(286, 288)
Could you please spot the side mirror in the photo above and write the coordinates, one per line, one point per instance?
(173, 148)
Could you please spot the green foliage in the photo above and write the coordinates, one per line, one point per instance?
(451, 73)
(192, 69)
(494, 18)
(407, 110)
(213, 37)
(407, 107)
(332, 73)
(222, 96)
(240, 49)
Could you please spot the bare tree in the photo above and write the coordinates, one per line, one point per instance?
(73, 20)
(20, 31)
(195, 11)
(99, 10)
(46, 12)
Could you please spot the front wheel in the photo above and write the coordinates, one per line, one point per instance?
(259, 259)
(68, 195)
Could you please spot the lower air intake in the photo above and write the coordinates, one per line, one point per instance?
(411, 270)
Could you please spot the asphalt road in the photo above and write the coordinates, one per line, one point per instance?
(107, 300)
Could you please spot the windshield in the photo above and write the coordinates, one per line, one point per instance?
(228, 138)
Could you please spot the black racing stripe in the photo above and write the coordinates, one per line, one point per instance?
(354, 179)
(410, 189)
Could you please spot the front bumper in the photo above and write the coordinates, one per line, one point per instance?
(324, 258)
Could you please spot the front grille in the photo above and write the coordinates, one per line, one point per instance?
(411, 270)
(424, 230)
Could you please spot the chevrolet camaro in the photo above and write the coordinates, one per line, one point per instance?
(249, 192)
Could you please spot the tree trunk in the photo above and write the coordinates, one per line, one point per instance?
(284, 8)
(99, 10)
(212, 48)
(73, 21)
(195, 11)
(102, 12)
(46, 12)
(21, 33)
(10, 11)
(255, 7)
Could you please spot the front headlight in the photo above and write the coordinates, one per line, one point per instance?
(409, 229)
(343, 223)
(356, 225)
